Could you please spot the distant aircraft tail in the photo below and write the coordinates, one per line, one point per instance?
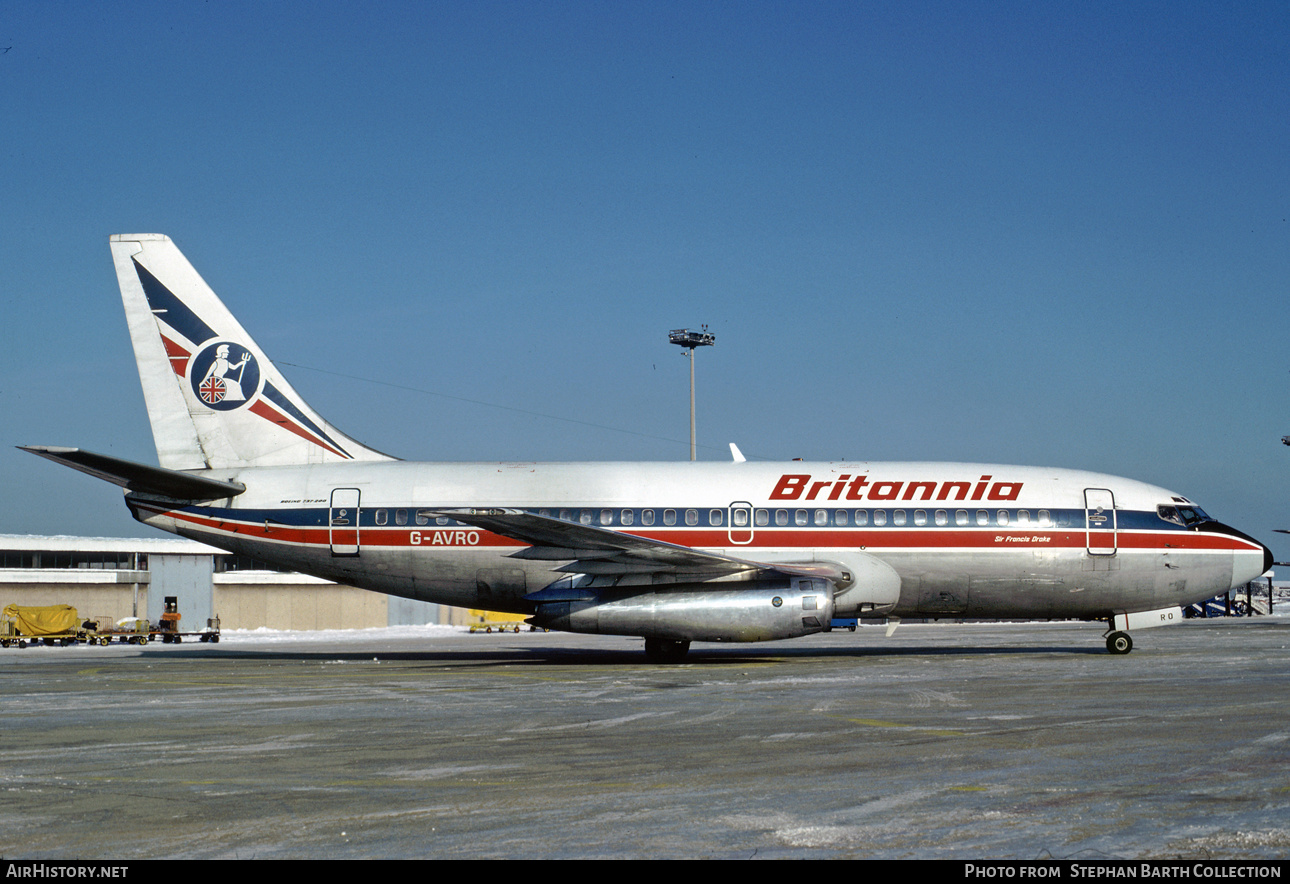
(214, 399)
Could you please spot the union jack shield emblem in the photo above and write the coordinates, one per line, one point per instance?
(212, 390)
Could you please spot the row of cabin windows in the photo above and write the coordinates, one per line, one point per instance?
(762, 518)
(879, 518)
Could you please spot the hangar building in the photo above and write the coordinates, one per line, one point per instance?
(109, 577)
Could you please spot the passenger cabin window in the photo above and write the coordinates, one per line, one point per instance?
(606, 517)
(942, 517)
(669, 517)
(627, 517)
(862, 518)
(781, 517)
(880, 517)
(898, 517)
(739, 518)
(715, 518)
(691, 517)
(647, 517)
(821, 517)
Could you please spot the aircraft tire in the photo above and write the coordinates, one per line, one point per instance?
(1119, 643)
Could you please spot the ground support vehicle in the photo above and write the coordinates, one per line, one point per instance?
(168, 628)
(50, 624)
(59, 625)
(495, 627)
(131, 630)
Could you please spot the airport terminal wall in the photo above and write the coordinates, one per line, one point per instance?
(99, 594)
(115, 578)
(295, 601)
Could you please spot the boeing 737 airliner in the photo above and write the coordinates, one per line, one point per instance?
(670, 552)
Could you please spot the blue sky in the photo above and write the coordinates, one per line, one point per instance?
(1047, 234)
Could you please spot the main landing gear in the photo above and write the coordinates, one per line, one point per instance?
(663, 650)
(1119, 642)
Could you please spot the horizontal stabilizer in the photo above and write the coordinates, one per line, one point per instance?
(139, 477)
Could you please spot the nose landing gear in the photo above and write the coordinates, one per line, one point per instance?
(1119, 642)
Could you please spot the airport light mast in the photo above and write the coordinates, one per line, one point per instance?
(683, 337)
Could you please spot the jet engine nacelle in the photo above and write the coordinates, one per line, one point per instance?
(758, 611)
(874, 587)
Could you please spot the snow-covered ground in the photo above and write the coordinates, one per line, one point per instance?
(266, 636)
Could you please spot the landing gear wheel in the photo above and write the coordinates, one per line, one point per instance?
(1119, 643)
(662, 650)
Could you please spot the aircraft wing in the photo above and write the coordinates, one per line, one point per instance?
(597, 551)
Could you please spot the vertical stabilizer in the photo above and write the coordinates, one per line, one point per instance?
(214, 399)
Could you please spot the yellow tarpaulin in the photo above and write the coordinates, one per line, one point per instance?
(49, 620)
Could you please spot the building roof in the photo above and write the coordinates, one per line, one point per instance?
(68, 543)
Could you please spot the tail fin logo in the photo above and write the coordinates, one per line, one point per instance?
(224, 376)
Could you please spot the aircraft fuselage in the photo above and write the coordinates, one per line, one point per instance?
(965, 540)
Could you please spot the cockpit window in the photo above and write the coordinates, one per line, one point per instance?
(1182, 515)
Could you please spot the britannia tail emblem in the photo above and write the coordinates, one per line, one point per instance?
(224, 376)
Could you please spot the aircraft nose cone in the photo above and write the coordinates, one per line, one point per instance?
(1267, 556)
(1244, 564)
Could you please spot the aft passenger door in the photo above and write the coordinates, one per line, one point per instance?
(1099, 521)
(342, 522)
